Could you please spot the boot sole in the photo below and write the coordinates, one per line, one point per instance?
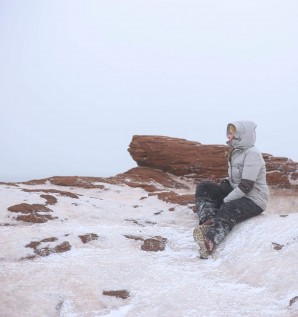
(199, 237)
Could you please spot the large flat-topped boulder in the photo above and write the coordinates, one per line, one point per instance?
(202, 162)
(180, 157)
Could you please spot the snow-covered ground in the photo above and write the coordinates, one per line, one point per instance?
(246, 276)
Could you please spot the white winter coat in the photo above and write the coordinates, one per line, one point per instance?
(246, 162)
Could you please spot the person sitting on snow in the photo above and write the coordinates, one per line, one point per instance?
(242, 195)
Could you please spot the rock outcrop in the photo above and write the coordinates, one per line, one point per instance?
(34, 213)
(202, 162)
(155, 182)
(281, 171)
(180, 157)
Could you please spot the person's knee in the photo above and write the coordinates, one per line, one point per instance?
(207, 189)
(203, 188)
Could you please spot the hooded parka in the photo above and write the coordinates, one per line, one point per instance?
(247, 170)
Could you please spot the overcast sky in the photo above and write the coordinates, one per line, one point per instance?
(79, 78)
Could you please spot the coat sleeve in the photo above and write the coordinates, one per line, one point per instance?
(251, 168)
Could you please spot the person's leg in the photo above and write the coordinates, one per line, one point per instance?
(228, 215)
(209, 197)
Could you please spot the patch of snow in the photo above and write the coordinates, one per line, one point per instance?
(245, 276)
(292, 181)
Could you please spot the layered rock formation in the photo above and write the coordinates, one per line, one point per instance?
(202, 162)
(180, 157)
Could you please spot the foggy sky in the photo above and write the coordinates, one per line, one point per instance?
(79, 78)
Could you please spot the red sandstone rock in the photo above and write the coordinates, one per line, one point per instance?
(35, 218)
(154, 244)
(118, 293)
(70, 181)
(63, 247)
(180, 157)
(148, 177)
(172, 197)
(28, 208)
(50, 200)
(281, 171)
(88, 237)
(53, 191)
(34, 213)
(45, 251)
(202, 162)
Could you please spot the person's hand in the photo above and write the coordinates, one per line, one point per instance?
(225, 185)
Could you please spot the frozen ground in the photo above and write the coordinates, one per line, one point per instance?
(246, 276)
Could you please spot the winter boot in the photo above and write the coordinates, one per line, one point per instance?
(206, 246)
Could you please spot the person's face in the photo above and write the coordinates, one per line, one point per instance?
(230, 136)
